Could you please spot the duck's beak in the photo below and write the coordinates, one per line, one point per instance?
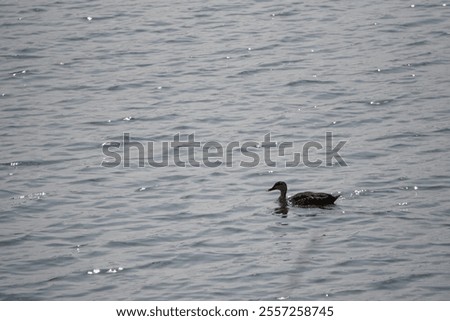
(270, 189)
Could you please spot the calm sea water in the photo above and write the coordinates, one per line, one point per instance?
(77, 75)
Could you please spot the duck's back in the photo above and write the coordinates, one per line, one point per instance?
(312, 198)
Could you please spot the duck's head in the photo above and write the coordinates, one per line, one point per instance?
(281, 186)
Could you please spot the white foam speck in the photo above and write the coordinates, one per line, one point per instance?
(96, 271)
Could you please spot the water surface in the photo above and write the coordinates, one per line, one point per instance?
(74, 76)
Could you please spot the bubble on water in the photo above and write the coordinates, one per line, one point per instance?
(413, 5)
(120, 268)
(112, 144)
(89, 18)
(96, 271)
(359, 192)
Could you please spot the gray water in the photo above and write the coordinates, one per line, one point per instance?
(77, 75)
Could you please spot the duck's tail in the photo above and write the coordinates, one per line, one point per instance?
(336, 197)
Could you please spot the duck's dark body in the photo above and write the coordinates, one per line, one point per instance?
(312, 199)
(305, 198)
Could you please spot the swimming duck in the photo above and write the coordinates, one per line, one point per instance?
(303, 199)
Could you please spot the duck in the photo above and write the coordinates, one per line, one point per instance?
(303, 199)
